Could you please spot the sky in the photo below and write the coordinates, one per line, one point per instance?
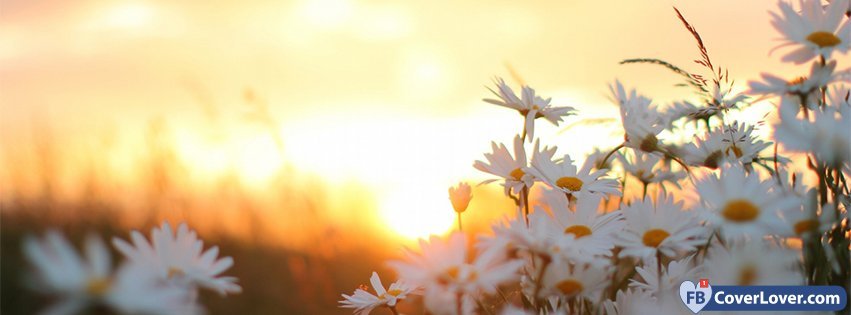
(386, 94)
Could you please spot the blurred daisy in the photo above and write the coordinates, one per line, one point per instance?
(543, 238)
(594, 233)
(663, 228)
(805, 89)
(179, 258)
(734, 142)
(439, 301)
(448, 264)
(752, 263)
(565, 177)
(650, 168)
(630, 301)
(640, 302)
(673, 274)
(738, 204)
(597, 157)
(642, 122)
(84, 283)
(562, 279)
(364, 302)
(511, 168)
(825, 136)
(807, 218)
(529, 105)
(816, 31)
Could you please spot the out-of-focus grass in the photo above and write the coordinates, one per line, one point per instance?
(275, 280)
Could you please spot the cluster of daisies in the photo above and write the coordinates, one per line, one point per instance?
(720, 203)
(160, 276)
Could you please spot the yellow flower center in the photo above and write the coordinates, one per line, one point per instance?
(824, 39)
(453, 274)
(649, 144)
(805, 226)
(569, 287)
(579, 231)
(392, 292)
(570, 183)
(175, 272)
(525, 112)
(796, 81)
(740, 210)
(654, 237)
(747, 275)
(98, 286)
(736, 151)
(712, 160)
(517, 174)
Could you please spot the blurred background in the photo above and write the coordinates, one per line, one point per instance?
(311, 140)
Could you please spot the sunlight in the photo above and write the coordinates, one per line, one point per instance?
(129, 15)
(326, 13)
(418, 211)
(258, 158)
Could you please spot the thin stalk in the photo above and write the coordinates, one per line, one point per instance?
(524, 198)
(459, 303)
(659, 272)
(460, 229)
(539, 282)
(606, 159)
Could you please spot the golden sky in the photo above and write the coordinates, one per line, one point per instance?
(383, 93)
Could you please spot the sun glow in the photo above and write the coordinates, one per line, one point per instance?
(404, 160)
(417, 211)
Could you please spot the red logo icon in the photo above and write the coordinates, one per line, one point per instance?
(704, 283)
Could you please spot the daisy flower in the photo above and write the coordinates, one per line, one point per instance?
(563, 279)
(641, 120)
(641, 302)
(650, 168)
(597, 157)
(815, 32)
(364, 302)
(629, 302)
(511, 168)
(738, 204)
(543, 238)
(565, 176)
(734, 142)
(752, 263)
(438, 301)
(447, 263)
(806, 218)
(663, 227)
(805, 89)
(179, 258)
(594, 233)
(825, 136)
(87, 282)
(673, 274)
(529, 105)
